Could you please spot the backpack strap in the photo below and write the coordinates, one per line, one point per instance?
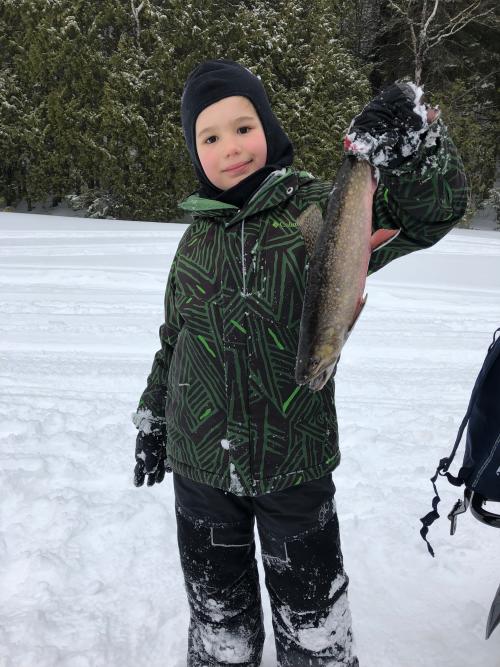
(494, 339)
(444, 464)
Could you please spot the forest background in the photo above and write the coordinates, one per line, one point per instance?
(90, 91)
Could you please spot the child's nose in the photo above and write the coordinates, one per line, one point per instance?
(232, 147)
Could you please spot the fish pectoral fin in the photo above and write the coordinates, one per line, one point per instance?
(382, 237)
(359, 310)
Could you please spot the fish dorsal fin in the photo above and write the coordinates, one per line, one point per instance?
(310, 222)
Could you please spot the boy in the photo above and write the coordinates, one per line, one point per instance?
(221, 408)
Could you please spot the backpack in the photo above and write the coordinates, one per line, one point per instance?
(480, 471)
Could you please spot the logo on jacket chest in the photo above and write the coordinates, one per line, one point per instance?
(279, 223)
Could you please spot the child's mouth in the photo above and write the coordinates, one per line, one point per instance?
(237, 167)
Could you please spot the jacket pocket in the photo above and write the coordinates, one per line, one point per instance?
(195, 406)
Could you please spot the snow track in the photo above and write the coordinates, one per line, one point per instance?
(90, 574)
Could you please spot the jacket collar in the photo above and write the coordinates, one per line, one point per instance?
(279, 186)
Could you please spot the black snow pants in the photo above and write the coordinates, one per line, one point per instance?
(304, 575)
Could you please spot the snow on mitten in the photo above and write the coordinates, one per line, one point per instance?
(391, 128)
(150, 456)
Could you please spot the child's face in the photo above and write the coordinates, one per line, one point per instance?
(230, 141)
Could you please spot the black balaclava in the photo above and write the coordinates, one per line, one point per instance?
(210, 82)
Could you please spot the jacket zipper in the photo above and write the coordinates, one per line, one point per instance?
(244, 294)
(243, 264)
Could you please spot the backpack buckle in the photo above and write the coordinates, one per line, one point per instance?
(460, 507)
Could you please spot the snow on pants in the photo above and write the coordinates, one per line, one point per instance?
(304, 575)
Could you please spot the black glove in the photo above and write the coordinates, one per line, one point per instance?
(391, 128)
(150, 454)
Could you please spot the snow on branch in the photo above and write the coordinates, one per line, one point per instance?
(399, 10)
(456, 23)
(431, 16)
(135, 13)
(431, 28)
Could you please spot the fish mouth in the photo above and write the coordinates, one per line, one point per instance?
(314, 372)
(319, 380)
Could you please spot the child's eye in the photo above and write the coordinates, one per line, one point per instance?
(245, 127)
(208, 139)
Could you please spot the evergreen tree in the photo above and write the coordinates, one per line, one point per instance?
(319, 85)
(91, 92)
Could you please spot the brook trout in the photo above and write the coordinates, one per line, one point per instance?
(338, 267)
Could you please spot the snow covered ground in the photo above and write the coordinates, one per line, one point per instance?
(90, 575)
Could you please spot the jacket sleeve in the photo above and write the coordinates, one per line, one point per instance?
(150, 414)
(422, 201)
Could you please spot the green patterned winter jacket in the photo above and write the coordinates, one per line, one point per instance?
(223, 380)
